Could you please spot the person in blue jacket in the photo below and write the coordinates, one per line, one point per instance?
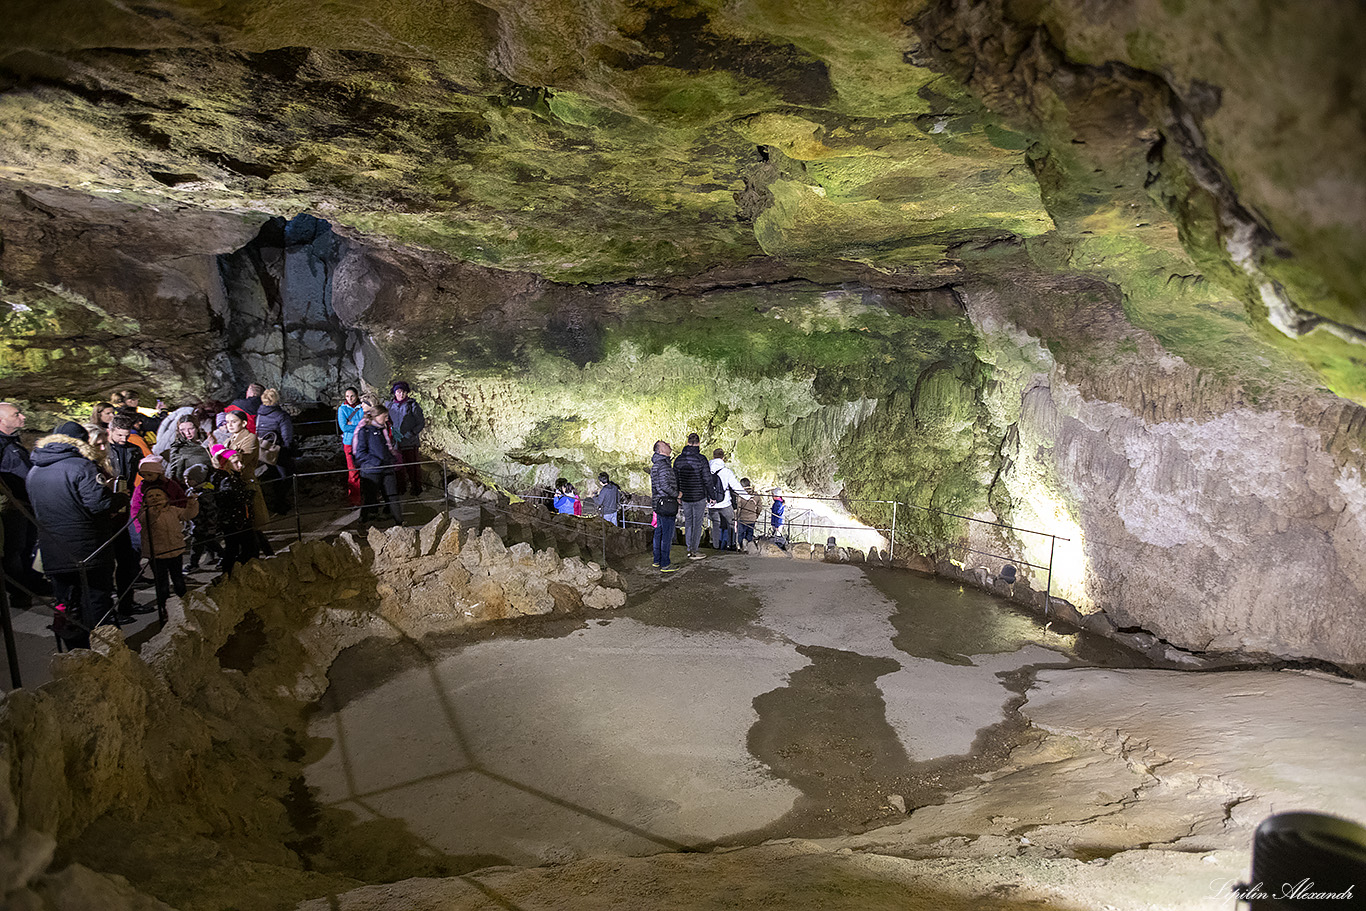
(566, 498)
(349, 415)
(377, 458)
(779, 507)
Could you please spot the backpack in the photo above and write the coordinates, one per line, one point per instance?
(716, 488)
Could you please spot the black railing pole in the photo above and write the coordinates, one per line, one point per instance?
(11, 650)
(298, 513)
(1048, 595)
(892, 550)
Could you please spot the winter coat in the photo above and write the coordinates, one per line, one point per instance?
(407, 420)
(776, 513)
(14, 465)
(609, 499)
(124, 459)
(235, 502)
(174, 490)
(693, 474)
(71, 503)
(274, 419)
(371, 451)
(248, 449)
(163, 532)
(566, 504)
(747, 511)
(728, 483)
(348, 416)
(169, 431)
(251, 406)
(663, 480)
(182, 454)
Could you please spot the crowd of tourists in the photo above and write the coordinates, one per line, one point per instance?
(93, 499)
(695, 487)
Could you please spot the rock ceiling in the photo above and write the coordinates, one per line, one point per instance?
(906, 145)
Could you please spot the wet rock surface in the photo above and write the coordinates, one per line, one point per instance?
(740, 700)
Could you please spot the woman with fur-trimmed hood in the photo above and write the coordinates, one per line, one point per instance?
(69, 487)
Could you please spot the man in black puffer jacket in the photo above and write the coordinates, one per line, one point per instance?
(694, 477)
(72, 501)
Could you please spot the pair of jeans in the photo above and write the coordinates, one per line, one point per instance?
(746, 533)
(664, 538)
(693, 516)
(722, 528)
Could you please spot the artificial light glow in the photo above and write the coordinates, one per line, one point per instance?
(816, 520)
(1050, 514)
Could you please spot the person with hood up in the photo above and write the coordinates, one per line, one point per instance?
(694, 480)
(163, 541)
(69, 487)
(723, 510)
(407, 421)
(166, 433)
(779, 508)
(664, 496)
(186, 450)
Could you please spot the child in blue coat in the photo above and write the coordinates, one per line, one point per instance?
(779, 507)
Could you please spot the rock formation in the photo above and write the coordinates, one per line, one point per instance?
(172, 756)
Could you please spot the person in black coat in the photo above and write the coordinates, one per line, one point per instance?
(273, 420)
(694, 476)
(377, 458)
(20, 534)
(73, 502)
(251, 402)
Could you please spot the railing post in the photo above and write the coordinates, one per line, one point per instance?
(1048, 594)
(11, 651)
(892, 551)
(445, 486)
(298, 513)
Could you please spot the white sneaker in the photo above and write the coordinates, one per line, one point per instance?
(697, 556)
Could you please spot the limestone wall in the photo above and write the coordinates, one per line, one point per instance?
(195, 732)
(1217, 526)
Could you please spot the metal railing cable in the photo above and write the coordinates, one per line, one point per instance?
(797, 522)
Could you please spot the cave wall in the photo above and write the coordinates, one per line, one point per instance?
(1085, 265)
(184, 304)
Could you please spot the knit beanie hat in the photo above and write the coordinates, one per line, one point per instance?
(71, 429)
(152, 465)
